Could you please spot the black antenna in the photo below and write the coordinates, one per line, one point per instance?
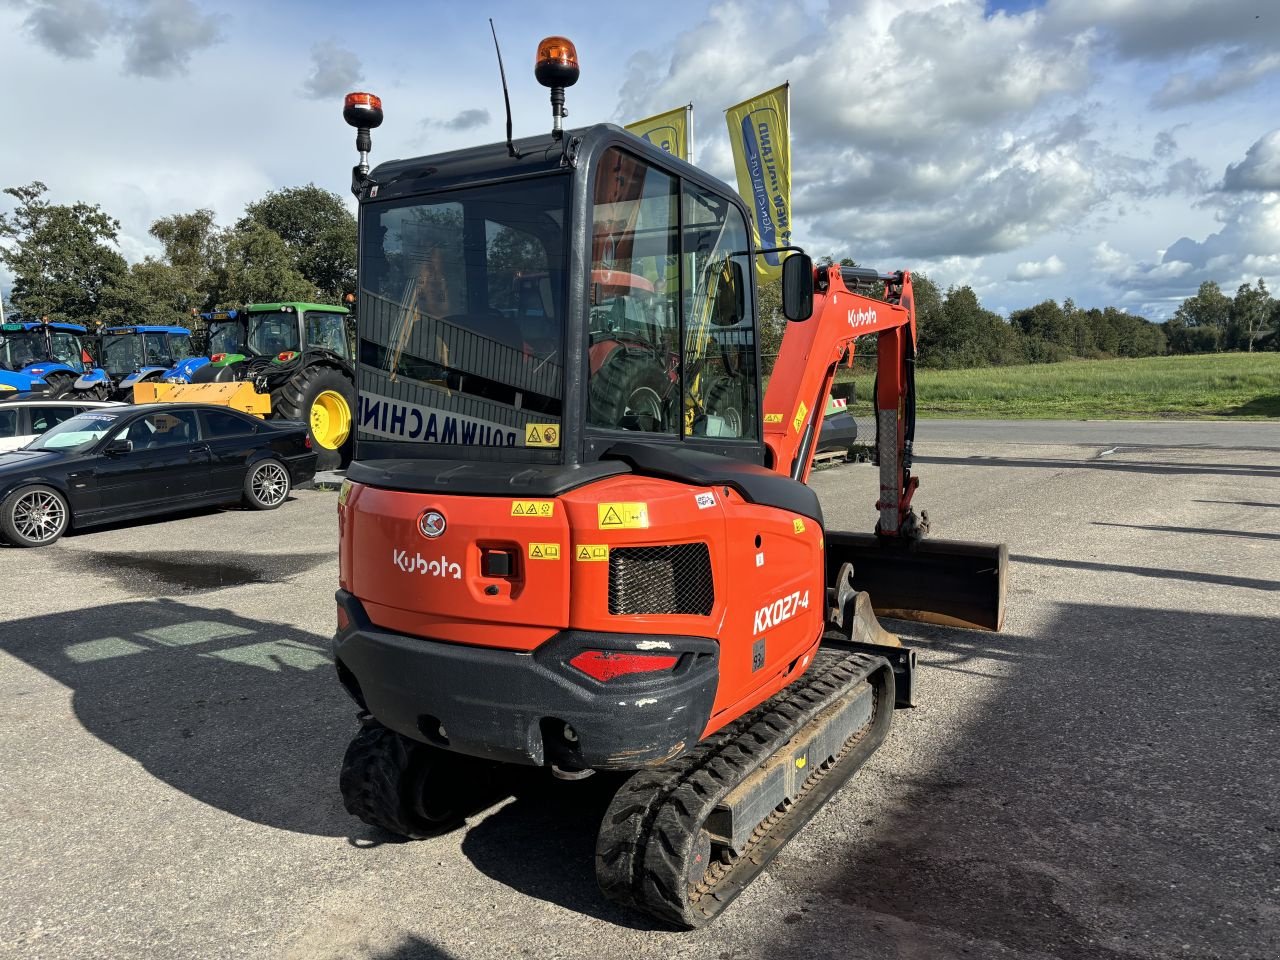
(511, 147)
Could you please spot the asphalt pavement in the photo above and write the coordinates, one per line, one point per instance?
(1100, 780)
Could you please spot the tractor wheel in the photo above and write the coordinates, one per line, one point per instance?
(61, 385)
(99, 391)
(724, 400)
(403, 786)
(323, 398)
(34, 516)
(266, 485)
(630, 392)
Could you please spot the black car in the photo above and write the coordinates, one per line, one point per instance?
(117, 463)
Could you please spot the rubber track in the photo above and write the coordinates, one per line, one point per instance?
(648, 835)
(373, 774)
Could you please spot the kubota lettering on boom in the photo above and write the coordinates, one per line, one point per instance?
(641, 580)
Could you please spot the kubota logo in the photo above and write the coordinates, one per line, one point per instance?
(862, 318)
(419, 564)
(431, 524)
(781, 611)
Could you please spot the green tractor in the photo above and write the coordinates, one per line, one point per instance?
(282, 360)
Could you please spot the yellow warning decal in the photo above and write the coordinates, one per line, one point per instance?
(798, 422)
(544, 551)
(623, 515)
(801, 761)
(798, 524)
(591, 551)
(542, 435)
(773, 418)
(533, 508)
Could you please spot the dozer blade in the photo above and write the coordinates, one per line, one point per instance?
(949, 582)
(238, 395)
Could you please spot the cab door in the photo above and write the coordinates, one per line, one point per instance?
(165, 466)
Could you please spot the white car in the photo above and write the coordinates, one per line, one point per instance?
(21, 421)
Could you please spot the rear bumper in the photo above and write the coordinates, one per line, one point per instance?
(514, 707)
(302, 469)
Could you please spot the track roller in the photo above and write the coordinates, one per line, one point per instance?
(682, 840)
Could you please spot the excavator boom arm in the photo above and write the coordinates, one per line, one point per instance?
(811, 352)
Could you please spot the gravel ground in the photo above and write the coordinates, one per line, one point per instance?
(1099, 780)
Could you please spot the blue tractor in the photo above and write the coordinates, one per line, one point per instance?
(40, 357)
(137, 354)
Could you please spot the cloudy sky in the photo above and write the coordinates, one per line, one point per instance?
(1112, 151)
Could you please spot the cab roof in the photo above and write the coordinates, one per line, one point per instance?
(143, 328)
(538, 155)
(36, 325)
(296, 305)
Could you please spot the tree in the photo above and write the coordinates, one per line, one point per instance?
(62, 256)
(1205, 317)
(259, 269)
(1250, 311)
(318, 231)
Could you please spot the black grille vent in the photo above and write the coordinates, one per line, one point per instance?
(668, 579)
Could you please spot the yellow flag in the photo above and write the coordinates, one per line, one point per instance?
(760, 133)
(671, 131)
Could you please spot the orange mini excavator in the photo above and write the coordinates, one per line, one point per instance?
(575, 536)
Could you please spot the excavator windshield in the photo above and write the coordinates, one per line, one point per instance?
(462, 315)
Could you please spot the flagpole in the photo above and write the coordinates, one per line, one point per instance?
(688, 112)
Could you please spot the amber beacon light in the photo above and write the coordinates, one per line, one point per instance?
(557, 67)
(364, 112)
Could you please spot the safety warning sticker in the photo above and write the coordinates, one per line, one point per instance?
(623, 515)
(533, 508)
(542, 435)
(591, 551)
(773, 418)
(705, 500)
(544, 551)
(798, 422)
(798, 524)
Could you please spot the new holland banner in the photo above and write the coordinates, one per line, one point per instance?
(760, 133)
(671, 131)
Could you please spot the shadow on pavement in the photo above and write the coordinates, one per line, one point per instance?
(1112, 797)
(1159, 573)
(543, 843)
(244, 716)
(1205, 531)
(1124, 466)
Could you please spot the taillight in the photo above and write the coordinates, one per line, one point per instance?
(344, 621)
(605, 665)
(217, 358)
(286, 355)
(306, 441)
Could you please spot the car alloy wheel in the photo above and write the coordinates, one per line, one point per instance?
(270, 484)
(39, 516)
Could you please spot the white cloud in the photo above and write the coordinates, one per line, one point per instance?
(158, 37)
(1260, 168)
(161, 40)
(335, 71)
(1224, 77)
(1038, 269)
(70, 28)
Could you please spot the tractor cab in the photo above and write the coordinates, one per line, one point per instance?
(52, 354)
(128, 350)
(545, 300)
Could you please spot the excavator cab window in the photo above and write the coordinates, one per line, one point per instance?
(672, 329)
(719, 326)
(462, 322)
(634, 294)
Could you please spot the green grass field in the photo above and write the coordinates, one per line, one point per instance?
(1208, 386)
